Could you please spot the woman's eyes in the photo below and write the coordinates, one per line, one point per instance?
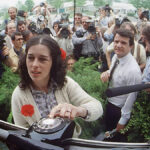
(40, 59)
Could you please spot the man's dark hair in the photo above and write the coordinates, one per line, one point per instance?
(58, 69)
(78, 14)
(15, 34)
(125, 33)
(146, 32)
(20, 22)
(128, 24)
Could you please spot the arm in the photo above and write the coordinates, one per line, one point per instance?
(142, 57)
(8, 60)
(127, 108)
(77, 40)
(16, 101)
(81, 100)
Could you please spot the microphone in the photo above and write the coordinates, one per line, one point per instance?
(111, 92)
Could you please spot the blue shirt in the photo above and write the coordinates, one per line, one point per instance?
(146, 73)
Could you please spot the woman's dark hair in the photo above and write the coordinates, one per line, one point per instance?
(126, 33)
(58, 70)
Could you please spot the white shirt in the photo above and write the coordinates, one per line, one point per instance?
(126, 73)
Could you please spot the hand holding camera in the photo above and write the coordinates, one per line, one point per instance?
(5, 51)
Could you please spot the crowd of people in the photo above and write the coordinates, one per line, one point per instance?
(42, 51)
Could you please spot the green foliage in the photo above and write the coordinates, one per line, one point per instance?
(86, 74)
(8, 82)
(29, 4)
(98, 3)
(138, 128)
(141, 3)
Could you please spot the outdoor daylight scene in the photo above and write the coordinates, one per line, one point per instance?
(75, 74)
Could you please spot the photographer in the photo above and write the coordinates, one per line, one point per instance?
(92, 47)
(105, 15)
(5, 59)
(86, 41)
(64, 38)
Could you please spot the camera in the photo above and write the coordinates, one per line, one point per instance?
(119, 21)
(2, 41)
(42, 4)
(65, 16)
(80, 33)
(91, 29)
(145, 14)
(64, 32)
(107, 9)
(21, 13)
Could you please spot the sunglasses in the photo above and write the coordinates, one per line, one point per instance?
(19, 39)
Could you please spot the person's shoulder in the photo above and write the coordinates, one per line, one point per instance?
(69, 79)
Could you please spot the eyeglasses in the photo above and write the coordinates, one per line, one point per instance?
(19, 39)
(84, 22)
(77, 18)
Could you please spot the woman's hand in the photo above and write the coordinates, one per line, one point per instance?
(68, 111)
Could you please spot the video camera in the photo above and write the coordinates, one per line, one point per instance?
(33, 28)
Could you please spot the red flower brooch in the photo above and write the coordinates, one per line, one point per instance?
(27, 110)
(63, 54)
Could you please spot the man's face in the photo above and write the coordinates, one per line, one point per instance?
(12, 13)
(147, 43)
(84, 23)
(102, 12)
(77, 19)
(11, 27)
(22, 28)
(121, 46)
(18, 42)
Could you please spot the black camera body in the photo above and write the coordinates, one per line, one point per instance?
(21, 13)
(119, 21)
(145, 14)
(80, 33)
(91, 29)
(42, 4)
(2, 41)
(107, 9)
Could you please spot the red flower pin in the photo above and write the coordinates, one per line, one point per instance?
(63, 54)
(27, 110)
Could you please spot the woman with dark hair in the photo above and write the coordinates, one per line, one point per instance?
(45, 90)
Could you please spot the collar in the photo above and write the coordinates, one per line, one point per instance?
(124, 59)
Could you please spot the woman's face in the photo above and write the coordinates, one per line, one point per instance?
(39, 63)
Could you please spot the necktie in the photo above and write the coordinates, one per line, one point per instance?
(113, 69)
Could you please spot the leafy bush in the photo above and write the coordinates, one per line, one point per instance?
(86, 74)
(138, 128)
(8, 82)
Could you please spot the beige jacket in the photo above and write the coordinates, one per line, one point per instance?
(70, 93)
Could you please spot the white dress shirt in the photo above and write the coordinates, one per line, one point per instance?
(126, 73)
